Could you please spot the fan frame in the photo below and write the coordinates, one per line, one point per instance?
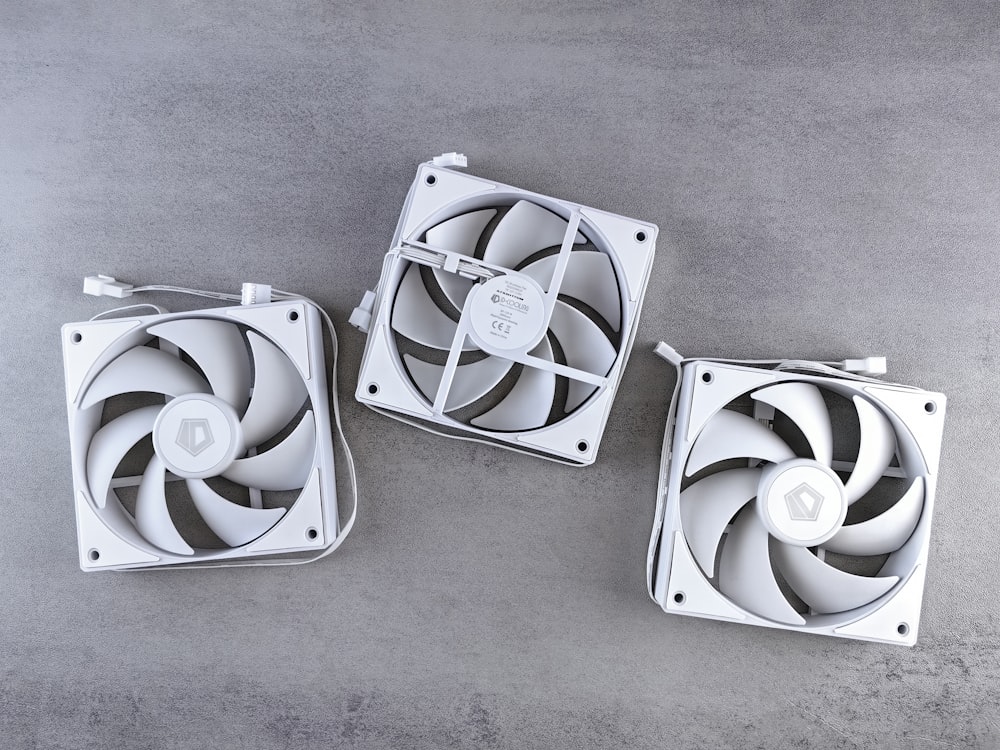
(296, 329)
(439, 193)
(676, 582)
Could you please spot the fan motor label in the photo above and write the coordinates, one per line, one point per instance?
(508, 312)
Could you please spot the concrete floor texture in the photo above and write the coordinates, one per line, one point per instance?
(825, 178)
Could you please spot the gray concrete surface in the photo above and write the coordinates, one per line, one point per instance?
(826, 181)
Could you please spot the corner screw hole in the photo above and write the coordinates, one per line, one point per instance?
(640, 236)
(679, 597)
(311, 534)
(93, 555)
(76, 337)
(293, 315)
(372, 389)
(902, 628)
(707, 377)
(583, 446)
(930, 407)
(430, 179)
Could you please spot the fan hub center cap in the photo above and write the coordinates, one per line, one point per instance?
(508, 312)
(801, 502)
(197, 435)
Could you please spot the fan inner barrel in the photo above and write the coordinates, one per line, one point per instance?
(508, 312)
(801, 501)
(197, 435)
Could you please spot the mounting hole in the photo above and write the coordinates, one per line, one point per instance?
(707, 377)
(76, 337)
(293, 315)
(93, 555)
(311, 534)
(902, 628)
(372, 389)
(583, 446)
(640, 236)
(930, 407)
(679, 597)
(431, 179)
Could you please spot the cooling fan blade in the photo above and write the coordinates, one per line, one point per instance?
(234, 524)
(589, 277)
(110, 444)
(878, 445)
(745, 574)
(416, 317)
(524, 230)
(143, 369)
(219, 350)
(823, 587)
(884, 533)
(151, 515)
(585, 347)
(456, 288)
(708, 505)
(530, 400)
(470, 382)
(278, 392)
(459, 235)
(730, 434)
(804, 405)
(285, 467)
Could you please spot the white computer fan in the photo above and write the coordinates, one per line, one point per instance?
(758, 522)
(235, 403)
(504, 313)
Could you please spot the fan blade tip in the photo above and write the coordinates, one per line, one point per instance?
(469, 383)
(278, 392)
(151, 515)
(585, 346)
(729, 435)
(745, 574)
(234, 524)
(109, 446)
(707, 506)
(143, 369)
(886, 532)
(460, 234)
(524, 230)
(218, 348)
(825, 588)
(875, 451)
(286, 466)
(803, 404)
(415, 315)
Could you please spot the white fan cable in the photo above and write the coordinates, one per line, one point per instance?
(108, 286)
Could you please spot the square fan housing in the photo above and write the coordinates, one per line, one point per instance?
(505, 314)
(754, 523)
(234, 396)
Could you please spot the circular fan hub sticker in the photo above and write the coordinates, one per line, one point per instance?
(508, 312)
(197, 436)
(801, 502)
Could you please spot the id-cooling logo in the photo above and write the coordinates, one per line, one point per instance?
(509, 300)
(194, 435)
(804, 503)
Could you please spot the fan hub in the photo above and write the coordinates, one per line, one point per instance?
(197, 435)
(801, 502)
(508, 313)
